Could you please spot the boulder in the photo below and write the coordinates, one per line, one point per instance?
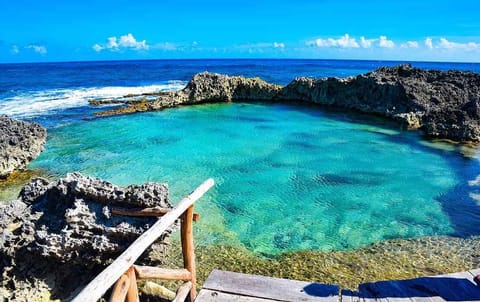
(20, 143)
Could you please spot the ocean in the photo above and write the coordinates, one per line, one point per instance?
(289, 178)
(57, 93)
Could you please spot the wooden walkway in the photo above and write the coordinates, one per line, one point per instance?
(224, 286)
(227, 286)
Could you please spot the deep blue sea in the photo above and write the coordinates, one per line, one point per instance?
(287, 177)
(53, 93)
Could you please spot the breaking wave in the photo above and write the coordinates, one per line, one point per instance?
(38, 103)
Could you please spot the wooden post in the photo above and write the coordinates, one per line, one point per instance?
(120, 289)
(98, 286)
(183, 292)
(132, 294)
(186, 229)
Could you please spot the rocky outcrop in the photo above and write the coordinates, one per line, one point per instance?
(71, 220)
(71, 223)
(205, 88)
(20, 142)
(443, 104)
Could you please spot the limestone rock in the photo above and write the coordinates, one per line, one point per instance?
(59, 235)
(204, 87)
(20, 142)
(70, 219)
(443, 104)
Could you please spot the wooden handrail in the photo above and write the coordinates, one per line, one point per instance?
(150, 272)
(98, 286)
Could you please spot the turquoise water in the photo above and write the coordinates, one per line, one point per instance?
(287, 178)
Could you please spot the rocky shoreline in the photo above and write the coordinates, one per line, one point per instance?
(20, 143)
(442, 104)
(71, 224)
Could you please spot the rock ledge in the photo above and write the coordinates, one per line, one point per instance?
(20, 142)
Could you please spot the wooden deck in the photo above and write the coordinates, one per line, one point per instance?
(228, 286)
(224, 286)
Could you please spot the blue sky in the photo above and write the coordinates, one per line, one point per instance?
(47, 30)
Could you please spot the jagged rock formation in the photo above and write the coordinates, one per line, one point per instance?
(69, 224)
(204, 88)
(20, 142)
(443, 104)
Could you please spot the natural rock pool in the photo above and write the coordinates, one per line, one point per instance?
(288, 178)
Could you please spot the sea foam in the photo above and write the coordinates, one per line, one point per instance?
(38, 103)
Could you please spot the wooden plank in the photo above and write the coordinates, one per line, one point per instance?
(457, 286)
(120, 289)
(380, 289)
(428, 299)
(270, 288)
(475, 273)
(349, 296)
(183, 291)
(207, 295)
(98, 286)
(145, 212)
(188, 252)
(150, 272)
(390, 291)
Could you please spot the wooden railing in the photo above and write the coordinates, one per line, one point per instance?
(124, 274)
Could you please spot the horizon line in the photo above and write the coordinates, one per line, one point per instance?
(237, 59)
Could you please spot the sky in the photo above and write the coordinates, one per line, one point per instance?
(84, 30)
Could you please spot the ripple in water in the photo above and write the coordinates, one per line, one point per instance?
(288, 178)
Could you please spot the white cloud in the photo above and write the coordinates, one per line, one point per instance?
(112, 42)
(409, 44)
(349, 42)
(445, 44)
(127, 41)
(343, 42)
(14, 49)
(366, 43)
(385, 43)
(429, 43)
(97, 47)
(259, 47)
(37, 48)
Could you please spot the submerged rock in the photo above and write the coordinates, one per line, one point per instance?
(20, 143)
(69, 224)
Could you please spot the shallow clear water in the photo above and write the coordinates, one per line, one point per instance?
(287, 178)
